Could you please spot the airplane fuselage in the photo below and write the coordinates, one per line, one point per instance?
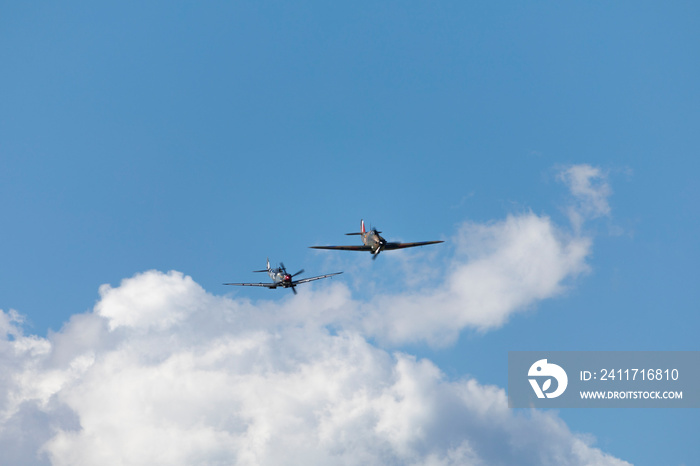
(280, 277)
(373, 240)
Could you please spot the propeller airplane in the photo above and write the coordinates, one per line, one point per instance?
(280, 277)
(374, 243)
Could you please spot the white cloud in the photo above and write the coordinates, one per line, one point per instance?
(591, 190)
(209, 385)
(152, 300)
(161, 372)
(499, 269)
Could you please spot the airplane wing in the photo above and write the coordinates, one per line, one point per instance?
(391, 246)
(304, 280)
(344, 248)
(267, 285)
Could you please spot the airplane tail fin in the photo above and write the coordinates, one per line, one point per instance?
(361, 232)
(267, 269)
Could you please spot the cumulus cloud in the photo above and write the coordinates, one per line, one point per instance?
(209, 385)
(499, 269)
(162, 372)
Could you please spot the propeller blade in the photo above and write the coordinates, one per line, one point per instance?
(301, 271)
(294, 289)
(284, 269)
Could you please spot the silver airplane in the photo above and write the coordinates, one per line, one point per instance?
(374, 243)
(280, 277)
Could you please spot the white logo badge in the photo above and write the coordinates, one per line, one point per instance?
(543, 369)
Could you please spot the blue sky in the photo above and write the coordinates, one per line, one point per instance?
(203, 139)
